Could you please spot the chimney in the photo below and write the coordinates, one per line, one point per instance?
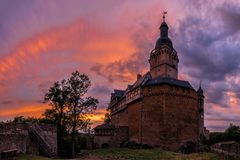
(139, 76)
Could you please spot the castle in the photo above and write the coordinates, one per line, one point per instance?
(158, 109)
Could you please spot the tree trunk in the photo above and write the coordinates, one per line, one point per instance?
(74, 132)
(59, 132)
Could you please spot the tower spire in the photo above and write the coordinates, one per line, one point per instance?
(200, 91)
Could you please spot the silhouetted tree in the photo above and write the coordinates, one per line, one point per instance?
(22, 119)
(232, 133)
(58, 98)
(79, 105)
(18, 119)
(70, 106)
(107, 118)
(49, 116)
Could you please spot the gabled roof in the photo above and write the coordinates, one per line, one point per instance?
(142, 80)
(170, 81)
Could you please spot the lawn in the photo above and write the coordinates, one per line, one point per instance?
(148, 154)
(134, 154)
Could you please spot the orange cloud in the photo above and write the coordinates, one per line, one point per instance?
(80, 38)
(98, 115)
(29, 110)
(36, 110)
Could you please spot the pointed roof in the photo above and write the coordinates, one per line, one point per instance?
(163, 39)
(200, 91)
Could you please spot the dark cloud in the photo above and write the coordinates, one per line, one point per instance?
(208, 51)
(7, 102)
(44, 86)
(39, 101)
(231, 16)
(100, 90)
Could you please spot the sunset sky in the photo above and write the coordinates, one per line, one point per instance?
(110, 40)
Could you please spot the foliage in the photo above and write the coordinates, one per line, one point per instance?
(230, 134)
(22, 119)
(70, 107)
(79, 105)
(107, 118)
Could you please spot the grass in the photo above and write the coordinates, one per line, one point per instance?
(30, 157)
(149, 154)
(134, 154)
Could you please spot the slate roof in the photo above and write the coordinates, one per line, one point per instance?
(170, 81)
(118, 93)
(140, 81)
(129, 87)
(105, 126)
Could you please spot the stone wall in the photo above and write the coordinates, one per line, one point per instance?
(120, 118)
(14, 141)
(120, 136)
(134, 120)
(16, 136)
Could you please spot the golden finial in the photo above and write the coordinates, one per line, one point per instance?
(164, 13)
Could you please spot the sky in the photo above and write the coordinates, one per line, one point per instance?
(45, 41)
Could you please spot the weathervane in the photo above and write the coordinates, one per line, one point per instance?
(164, 13)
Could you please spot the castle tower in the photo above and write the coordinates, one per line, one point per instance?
(201, 108)
(163, 59)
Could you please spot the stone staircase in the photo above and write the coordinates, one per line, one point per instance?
(44, 145)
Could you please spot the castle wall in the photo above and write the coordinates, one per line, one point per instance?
(13, 141)
(152, 118)
(120, 119)
(134, 117)
(170, 116)
(16, 136)
(120, 136)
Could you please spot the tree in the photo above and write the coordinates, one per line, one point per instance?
(70, 106)
(18, 119)
(79, 105)
(107, 118)
(58, 98)
(22, 119)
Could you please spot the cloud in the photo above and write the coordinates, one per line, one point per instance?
(26, 110)
(6, 102)
(230, 14)
(111, 42)
(125, 70)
